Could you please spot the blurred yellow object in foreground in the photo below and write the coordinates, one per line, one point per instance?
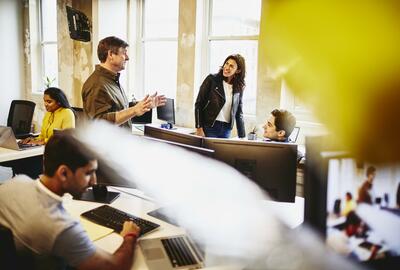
(343, 59)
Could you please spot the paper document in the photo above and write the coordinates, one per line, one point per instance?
(94, 230)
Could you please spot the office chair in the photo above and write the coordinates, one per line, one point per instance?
(80, 116)
(11, 258)
(20, 117)
(8, 252)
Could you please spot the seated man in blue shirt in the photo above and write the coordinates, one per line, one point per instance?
(279, 125)
(33, 210)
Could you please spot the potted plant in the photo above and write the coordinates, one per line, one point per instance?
(252, 134)
(48, 82)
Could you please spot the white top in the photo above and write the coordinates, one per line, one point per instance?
(225, 113)
(40, 223)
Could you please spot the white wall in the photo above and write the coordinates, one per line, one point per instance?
(11, 47)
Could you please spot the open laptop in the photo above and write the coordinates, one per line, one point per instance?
(172, 252)
(8, 140)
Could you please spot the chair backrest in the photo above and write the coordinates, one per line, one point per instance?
(20, 117)
(8, 251)
(80, 116)
(13, 258)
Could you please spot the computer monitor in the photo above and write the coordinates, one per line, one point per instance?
(167, 112)
(271, 165)
(145, 118)
(335, 186)
(199, 150)
(107, 175)
(172, 136)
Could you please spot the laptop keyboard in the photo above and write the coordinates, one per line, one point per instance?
(113, 218)
(25, 145)
(178, 251)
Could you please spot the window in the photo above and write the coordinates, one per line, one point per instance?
(305, 119)
(159, 46)
(115, 25)
(234, 28)
(48, 43)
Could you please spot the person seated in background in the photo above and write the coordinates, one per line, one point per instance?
(59, 115)
(39, 221)
(349, 204)
(279, 125)
(364, 192)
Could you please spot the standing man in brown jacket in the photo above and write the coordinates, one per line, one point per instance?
(364, 192)
(102, 94)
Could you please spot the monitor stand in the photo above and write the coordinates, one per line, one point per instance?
(99, 194)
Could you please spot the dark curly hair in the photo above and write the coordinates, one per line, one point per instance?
(284, 120)
(238, 79)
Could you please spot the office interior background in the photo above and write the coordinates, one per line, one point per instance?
(174, 44)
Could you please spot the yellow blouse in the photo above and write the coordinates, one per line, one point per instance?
(62, 118)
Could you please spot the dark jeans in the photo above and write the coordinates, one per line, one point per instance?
(219, 130)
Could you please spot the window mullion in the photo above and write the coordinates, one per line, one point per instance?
(159, 39)
(211, 38)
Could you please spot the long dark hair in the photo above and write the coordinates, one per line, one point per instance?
(58, 95)
(238, 79)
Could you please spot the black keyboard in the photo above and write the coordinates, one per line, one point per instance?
(113, 218)
(178, 251)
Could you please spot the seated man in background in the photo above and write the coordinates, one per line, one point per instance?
(279, 125)
(34, 212)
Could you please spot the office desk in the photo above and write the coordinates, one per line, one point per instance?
(133, 205)
(176, 129)
(138, 129)
(139, 207)
(29, 161)
(10, 155)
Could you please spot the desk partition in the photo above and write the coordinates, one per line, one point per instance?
(174, 135)
(272, 165)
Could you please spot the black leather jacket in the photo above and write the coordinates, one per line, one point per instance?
(211, 99)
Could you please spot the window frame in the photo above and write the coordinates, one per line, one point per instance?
(40, 83)
(206, 45)
(141, 39)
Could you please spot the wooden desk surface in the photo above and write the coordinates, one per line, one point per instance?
(9, 155)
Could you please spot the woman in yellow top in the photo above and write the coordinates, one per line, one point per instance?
(59, 115)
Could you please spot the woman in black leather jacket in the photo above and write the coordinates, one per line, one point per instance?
(219, 101)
